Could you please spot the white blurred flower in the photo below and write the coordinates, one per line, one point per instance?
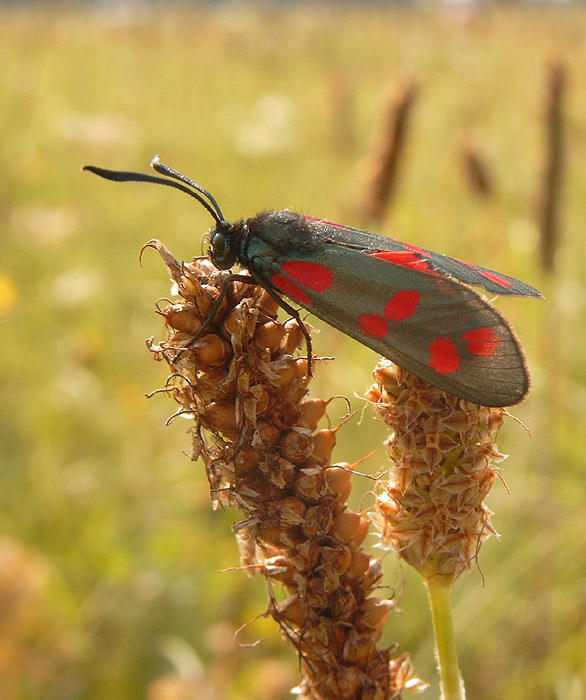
(75, 286)
(270, 127)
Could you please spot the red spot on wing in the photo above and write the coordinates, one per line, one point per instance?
(291, 289)
(309, 274)
(373, 325)
(323, 221)
(444, 356)
(482, 341)
(492, 276)
(405, 258)
(402, 305)
(415, 248)
(495, 277)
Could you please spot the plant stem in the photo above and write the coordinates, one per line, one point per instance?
(439, 590)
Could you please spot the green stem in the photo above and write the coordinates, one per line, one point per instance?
(439, 589)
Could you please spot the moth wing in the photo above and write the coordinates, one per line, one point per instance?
(427, 323)
(404, 253)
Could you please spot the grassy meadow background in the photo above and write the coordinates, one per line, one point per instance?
(109, 552)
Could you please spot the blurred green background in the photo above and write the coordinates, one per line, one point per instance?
(109, 552)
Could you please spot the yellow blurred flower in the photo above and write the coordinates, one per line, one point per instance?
(8, 293)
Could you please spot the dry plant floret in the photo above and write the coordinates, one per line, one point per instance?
(431, 510)
(257, 433)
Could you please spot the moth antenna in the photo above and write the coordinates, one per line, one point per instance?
(171, 172)
(128, 176)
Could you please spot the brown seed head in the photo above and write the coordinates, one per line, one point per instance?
(431, 510)
(256, 432)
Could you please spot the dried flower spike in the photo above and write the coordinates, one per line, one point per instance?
(256, 431)
(431, 510)
(443, 453)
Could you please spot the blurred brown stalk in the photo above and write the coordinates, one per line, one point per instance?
(384, 161)
(476, 171)
(549, 200)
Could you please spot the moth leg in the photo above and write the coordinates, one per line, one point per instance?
(216, 305)
(293, 312)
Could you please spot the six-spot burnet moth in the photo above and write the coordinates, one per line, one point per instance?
(404, 302)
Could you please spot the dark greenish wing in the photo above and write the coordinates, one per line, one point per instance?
(421, 258)
(424, 321)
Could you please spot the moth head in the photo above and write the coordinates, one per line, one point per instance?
(222, 250)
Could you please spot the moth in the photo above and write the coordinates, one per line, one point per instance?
(409, 304)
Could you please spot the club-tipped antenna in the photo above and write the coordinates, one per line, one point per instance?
(129, 176)
(171, 172)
